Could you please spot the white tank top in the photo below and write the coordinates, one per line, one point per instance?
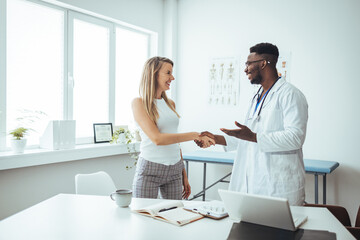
(167, 122)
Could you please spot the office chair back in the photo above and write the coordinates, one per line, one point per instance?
(357, 222)
(339, 212)
(99, 183)
(355, 231)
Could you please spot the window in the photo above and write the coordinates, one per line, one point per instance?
(62, 64)
(91, 75)
(35, 66)
(131, 54)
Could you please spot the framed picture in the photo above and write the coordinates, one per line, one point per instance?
(102, 132)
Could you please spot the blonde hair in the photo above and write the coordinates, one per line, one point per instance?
(148, 86)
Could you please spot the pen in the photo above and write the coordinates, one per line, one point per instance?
(166, 209)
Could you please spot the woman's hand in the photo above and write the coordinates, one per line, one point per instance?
(186, 186)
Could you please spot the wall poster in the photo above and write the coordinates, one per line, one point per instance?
(224, 81)
(283, 65)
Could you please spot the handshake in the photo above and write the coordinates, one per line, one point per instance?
(205, 139)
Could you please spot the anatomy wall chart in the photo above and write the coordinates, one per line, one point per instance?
(224, 81)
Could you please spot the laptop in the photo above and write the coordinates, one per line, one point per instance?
(264, 210)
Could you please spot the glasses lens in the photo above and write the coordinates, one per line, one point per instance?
(250, 62)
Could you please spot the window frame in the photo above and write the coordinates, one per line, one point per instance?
(70, 13)
(3, 17)
(70, 71)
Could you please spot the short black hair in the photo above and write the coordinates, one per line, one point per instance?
(265, 48)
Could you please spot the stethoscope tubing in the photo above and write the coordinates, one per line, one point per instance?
(266, 94)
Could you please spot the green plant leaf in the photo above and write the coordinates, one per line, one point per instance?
(19, 133)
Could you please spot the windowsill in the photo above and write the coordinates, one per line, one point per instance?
(35, 157)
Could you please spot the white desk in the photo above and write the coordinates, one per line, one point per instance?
(69, 216)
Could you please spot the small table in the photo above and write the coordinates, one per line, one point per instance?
(315, 167)
(320, 167)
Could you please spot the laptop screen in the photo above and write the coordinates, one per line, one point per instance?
(263, 210)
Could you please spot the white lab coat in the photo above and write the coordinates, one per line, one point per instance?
(274, 165)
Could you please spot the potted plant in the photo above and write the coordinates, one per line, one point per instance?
(119, 136)
(122, 136)
(18, 143)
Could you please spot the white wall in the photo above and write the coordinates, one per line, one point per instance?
(323, 36)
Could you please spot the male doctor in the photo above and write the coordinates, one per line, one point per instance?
(269, 159)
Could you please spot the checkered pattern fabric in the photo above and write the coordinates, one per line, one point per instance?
(151, 177)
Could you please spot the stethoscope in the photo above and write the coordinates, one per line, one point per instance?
(263, 100)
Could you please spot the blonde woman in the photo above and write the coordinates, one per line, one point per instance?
(160, 165)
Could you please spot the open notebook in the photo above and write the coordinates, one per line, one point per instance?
(171, 212)
(263, 210)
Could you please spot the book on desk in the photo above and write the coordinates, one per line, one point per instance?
(214, 209)
(171, 212)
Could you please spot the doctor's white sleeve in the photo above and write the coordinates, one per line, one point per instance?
(231, 143)
(295, 115)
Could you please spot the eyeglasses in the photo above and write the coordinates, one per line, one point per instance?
(250, 62)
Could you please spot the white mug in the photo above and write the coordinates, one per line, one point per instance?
(122, 197)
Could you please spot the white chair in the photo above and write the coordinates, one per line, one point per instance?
(99, 183)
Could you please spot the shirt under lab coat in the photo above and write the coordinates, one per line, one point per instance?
(274, 165)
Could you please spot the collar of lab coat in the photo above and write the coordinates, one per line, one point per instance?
(278, 85)
(274, 89)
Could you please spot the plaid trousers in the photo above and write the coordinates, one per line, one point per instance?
(151, 177)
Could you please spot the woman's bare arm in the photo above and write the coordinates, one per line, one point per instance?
(151, 130)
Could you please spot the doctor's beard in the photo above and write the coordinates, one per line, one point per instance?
(256, 80)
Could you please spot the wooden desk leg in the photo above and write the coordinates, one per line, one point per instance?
(204, 182)
(324, 189)
(316, 188)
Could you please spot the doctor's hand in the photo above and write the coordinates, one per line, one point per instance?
(243, 132)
